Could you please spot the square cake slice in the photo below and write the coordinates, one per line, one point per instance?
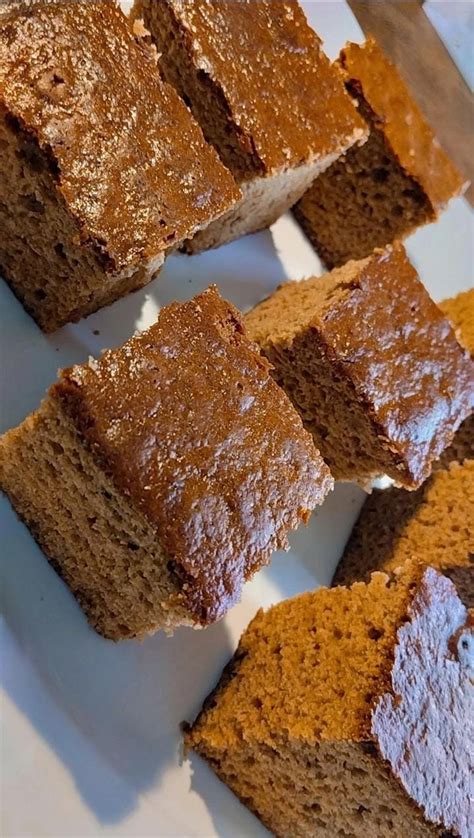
(435, 524)
(160, 477)
(401, 178)
(460, 312)
(372, 365)
(350, 712)
(102, 167)
(264, 93)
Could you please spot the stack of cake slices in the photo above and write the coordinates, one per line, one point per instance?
(162, 476)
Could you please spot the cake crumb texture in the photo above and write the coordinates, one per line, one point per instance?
(435, 524)
(317, 722)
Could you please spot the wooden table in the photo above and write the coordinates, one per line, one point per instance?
(405, 33)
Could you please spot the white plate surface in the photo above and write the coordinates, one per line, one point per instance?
(90, 729)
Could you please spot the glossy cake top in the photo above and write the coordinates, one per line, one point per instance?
(378, 327)
(372, 75)
(287, 102)
(189, 424)
(128, 158)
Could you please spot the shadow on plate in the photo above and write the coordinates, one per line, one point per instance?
(116, 707)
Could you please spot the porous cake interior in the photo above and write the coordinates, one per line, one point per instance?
(105, 551)
(434, 523)
(460, 311)
(56, 279)
(363, 201)
(288, 728)
(322, 393)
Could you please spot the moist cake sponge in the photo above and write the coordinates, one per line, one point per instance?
(349, 712)
(264, 93)
(401, 178)
(162, 476)
(372, 365)
(435, 524)
(102, 167)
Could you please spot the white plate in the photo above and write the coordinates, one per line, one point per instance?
(90, 729)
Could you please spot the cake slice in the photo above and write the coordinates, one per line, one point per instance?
(435, 524)
(401, 178)
(350, 712)
(160, 477)
(102, 167)
(264, 93)
(460, 312)
(371, 364)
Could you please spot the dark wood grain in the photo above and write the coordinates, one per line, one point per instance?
(406, 35)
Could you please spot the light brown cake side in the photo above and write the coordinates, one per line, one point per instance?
(106, 552)
(435, 524)
(400, 179)
(277, 123)
(348, 712)
(371, 364)
(460, 311)
(103, 170)
(161, 477)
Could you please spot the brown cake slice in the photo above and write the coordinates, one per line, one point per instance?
(371, 364)
(264, 93)
(160, 477)
(401, 178)
(460, 311)
(435, 524)
(102, 167)
(350, 712)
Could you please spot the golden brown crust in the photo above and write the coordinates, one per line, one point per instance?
(285, 104)
(372, 77)
(189, 424)
(129, 160)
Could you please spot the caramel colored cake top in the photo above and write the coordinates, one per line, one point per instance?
(189, 424)
(376, 663)
(460, 312)
(370, 74)
(381, 330)
(287, 102)
(130, 162)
